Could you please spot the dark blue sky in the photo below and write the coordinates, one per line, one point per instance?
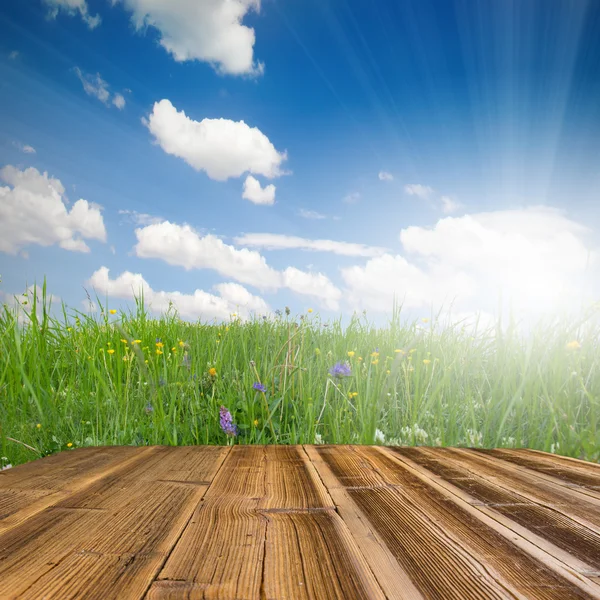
(472, 107)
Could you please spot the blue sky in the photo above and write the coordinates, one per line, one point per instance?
(432, 149)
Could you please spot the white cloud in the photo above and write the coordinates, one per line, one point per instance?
(182, 246)
(24, 148)
(207, 30)
(416, 189)
(536, 257)
(138, 218)
(450, 206)
(119, 101)
(274, 241)
(72, 7)
(385, 176)
(231, 297)
(352, 198)
(310, 214)
(256, 194)
(95, 86)
(33, 211)
(220, 147)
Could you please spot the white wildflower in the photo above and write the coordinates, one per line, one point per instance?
(379, 437)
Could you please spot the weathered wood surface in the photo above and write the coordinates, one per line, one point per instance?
(283, 522)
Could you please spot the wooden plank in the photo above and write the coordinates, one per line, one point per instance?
(443, 546)
(392, 578)
(511, 549)
(30, 488)
(576, 473)
(266, 528)
(118, 531)
(515, 498)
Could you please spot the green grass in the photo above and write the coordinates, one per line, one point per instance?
(74, 381)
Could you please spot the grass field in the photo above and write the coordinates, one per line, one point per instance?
(131, 379)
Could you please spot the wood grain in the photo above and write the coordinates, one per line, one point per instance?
(305, 522)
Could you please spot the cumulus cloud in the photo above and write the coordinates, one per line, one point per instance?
(274, 241)
(416, 189)
(72, 7)
(385, 176)
(311, 214)
(182, 246)
(33, 211)
(231, 297)
(256, 194)
(220, 147)
(206, 30)
(536, 257)
(352, 198)
(95, 86)
(450, 206)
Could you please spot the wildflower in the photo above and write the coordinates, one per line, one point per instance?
(125, 358)
(111, 351)
(69, 445)
(69, 329)
(318, 438)
(181, 343)
(425, 320)
(161, 382)
(124, 341)
(39, 425)
(309, 310)
(375, 362)
(112, 311)
(399, 351)
(287, 310)
(159, 345)
(574, 345)
(174, 350)
(212, 372)
(412, 350)
(149, 408)
(252, 364)
(388, 372)
(226, 422)
(5, 467)
(259, 387)
(159, 351)
(340, 370)
(426, 361)
(351, 353)
(353, 394)
(360, 359)
(255, 422)
(375, 354)
(317, 351)
(226, 328)
(137, 341)
(379, 437)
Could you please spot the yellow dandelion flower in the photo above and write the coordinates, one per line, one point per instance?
(69, 445)
(255, 422)
(574, 345)
(234, 314)
(351, 353)
(226, 328)
(125, 341)
(159, 345)
(374, 354)
(125, 358)
(39, 425)
(399, 351)
(173, 349)
(181, 343)
(111, 351)
(108, 344)
(137, 341)
(218, 341)
(353, 394)
(219, 334)
(426, 361)
(146, 361)
(212, 372)
(412, 350)
(112, 311)
(309, 310)
(69, 329)
(159, 351)
(360, 359)
(388, 372)
(375, 362)
(89, 358)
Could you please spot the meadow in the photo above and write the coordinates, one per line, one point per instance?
(133, 379)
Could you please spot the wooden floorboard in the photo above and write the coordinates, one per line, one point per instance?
(306, 522)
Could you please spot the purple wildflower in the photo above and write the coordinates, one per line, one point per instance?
(278, 312)
(259, 387)
(227, 424)
(340, 369)
(149, 408)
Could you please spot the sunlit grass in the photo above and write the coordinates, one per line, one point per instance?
(130, 379)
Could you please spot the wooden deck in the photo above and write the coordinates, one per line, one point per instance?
(282, 522)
